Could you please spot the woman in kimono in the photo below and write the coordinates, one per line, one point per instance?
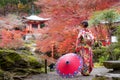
(84, 43)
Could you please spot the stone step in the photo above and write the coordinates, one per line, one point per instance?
(115, 65)
(107, 76)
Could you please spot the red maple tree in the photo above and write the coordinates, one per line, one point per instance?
(65, 17)
(10, 39)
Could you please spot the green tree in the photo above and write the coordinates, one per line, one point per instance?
(107, 17)
(118, 33)
(11, 6)
(3, 3)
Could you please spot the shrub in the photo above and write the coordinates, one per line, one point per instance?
(10, 40)
(99, 54)
(111, 52)
(114, 51)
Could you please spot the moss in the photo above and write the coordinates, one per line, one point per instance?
(20, 64)
(42, 70)
(3, 51)
(116, 78)
(32, 60)
(26, 52)
(7, 65)
(10, 55)
(15, 57)
(1, 74)
(10, 59)
(6, 62)
(97, 65)
(99, 78)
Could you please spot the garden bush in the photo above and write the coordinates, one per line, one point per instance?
(114, 51)
(104, 53)
(18, 64)
(100, 54)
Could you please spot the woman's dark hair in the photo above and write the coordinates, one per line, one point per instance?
(85, 24)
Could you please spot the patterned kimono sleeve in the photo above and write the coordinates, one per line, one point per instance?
(92, 37)
(78, 38)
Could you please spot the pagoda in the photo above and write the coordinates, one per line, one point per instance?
(34, 23)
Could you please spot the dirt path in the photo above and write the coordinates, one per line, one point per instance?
(55, 76)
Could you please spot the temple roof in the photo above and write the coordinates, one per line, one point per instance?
(37, 18)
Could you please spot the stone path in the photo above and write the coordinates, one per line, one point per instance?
(55, 76)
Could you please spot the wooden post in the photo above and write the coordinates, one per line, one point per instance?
(30, 27)
(38, 26)
(46, 66)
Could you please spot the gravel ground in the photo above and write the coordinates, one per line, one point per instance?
(55, 76)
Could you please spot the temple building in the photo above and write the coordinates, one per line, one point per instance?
(34, 24)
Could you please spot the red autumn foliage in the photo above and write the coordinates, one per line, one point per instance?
(68, 45)
(10, 39)
(100, 32)
(65, 17)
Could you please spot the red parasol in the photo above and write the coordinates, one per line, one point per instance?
(69, 65)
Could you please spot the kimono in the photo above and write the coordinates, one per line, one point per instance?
(84, 42)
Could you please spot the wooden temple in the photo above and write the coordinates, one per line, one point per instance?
(34, 23)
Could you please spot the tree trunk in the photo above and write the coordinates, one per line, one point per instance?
(109, 36)
(4, 11)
